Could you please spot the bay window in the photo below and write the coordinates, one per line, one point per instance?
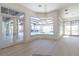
(41, 26)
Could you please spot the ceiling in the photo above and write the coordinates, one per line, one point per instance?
(44, 7)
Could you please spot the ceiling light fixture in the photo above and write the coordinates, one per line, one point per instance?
(39, 5)
(66, 9)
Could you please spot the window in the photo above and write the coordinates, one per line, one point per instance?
(9, 11)
(7, 26)
(67, 28)
(74, 28)
(41, 26)
(71, 27)
(4, 10)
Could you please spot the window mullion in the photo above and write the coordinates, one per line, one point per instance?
(70, 27)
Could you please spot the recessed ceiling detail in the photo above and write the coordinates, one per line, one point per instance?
(40, 7)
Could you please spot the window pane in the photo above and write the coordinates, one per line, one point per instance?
(20, 28)
(4, 10)
(41, 26)
(74, 28)
(7, 29)
(67, 28)
(47, 29)
(71, 27)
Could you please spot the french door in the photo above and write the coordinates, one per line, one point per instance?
(11, 30)
(7, 29)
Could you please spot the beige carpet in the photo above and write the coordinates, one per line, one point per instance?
(39, 55)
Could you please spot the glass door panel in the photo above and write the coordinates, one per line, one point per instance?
(7, 29)
(20, 28)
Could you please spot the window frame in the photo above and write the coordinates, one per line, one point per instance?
(71, 24)
(41, 30)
